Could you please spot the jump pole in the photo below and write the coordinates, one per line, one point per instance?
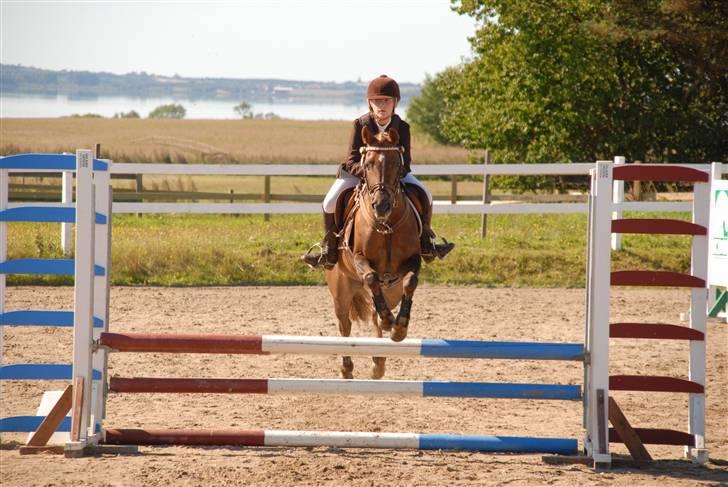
(378, 347)
(342, 439)
(345, 386)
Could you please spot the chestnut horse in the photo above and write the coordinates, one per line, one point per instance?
(379, 254)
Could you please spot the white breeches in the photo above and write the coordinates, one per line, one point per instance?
(347, 181)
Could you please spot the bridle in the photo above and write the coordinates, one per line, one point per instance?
(381, 185)
(383, 227)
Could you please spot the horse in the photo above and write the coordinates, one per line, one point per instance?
(379, 251)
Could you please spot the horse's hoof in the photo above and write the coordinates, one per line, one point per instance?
(386, 321)
(347, 368)
(377, 372)
(399, 333)
(378, 368)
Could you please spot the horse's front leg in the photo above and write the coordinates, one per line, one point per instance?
(379, 363)
(411, 270)
(371, 278)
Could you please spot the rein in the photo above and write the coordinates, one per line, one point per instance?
(383, 227)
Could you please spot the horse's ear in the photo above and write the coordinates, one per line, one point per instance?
(366, 136)
(393, 136)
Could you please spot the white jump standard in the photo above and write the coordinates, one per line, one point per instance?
(600, 408)
(91, 214)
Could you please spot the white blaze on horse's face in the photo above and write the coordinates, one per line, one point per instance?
(382, 177)
(382, 162)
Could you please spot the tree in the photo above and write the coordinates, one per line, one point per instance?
(426, 110)
(129, 114)
(695, 32)
(557, 81)
(168, 111)
(244, 110)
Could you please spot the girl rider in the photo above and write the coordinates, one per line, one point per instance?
(382, 97)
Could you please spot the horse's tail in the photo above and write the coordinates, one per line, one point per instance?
(361, 308)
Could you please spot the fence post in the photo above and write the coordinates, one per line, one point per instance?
(84, 263)
(637, 186)
(4, 203)
(698, 318)
(232, 200)
(714, 284)
(486, 194)
(103, 194)
(596, 372)
(140, 189)
(617, 199)
(266, 195)
(67, 197)
(453, 189)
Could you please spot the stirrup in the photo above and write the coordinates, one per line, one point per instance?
(313, 260)
(441, 250)
(428, 253)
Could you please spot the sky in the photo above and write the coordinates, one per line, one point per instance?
(324, 40)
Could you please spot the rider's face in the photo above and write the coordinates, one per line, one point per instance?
(383, 108)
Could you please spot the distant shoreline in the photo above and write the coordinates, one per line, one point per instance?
(13, 105)
(26, 81)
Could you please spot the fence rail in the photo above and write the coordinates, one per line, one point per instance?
(301, 204)
(574, 169)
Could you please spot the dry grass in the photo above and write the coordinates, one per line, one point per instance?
(194, 141)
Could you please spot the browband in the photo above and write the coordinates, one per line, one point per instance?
(368, 148)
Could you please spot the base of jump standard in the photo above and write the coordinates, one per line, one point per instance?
(342, 439)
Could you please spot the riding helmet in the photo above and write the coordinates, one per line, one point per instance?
(383, 87)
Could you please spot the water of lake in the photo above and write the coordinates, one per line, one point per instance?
(39, 106)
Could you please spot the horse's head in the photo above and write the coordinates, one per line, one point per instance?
(383, 166)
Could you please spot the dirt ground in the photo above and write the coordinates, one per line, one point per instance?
(457, 313)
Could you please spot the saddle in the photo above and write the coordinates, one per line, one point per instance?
(344, 205)
(347, 204)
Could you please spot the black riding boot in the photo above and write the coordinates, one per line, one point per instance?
(329, 246)
(429, 249)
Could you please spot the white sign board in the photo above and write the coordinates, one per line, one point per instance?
(718, 238)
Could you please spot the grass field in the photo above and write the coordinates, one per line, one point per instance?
(216, 141)
(196, 141)
(521, 250)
